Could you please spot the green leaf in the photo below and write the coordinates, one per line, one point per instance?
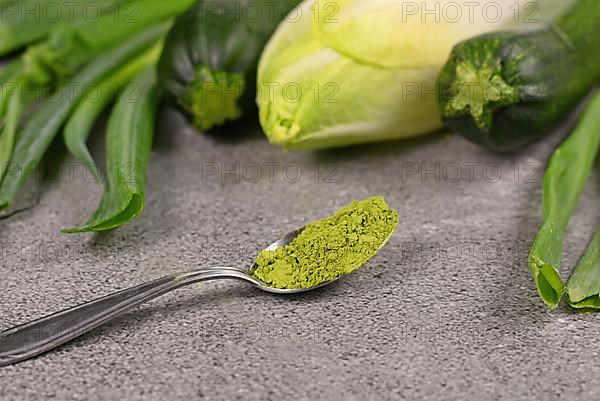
(583, 289)
(70, 46)
(16, 97)
(88, 110)
(31, 20)
(565, 178)
(38, 132)
(9, 129)
(7, 77)
(7, 84)
(128, 144)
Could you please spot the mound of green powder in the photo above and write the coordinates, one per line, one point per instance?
(329, 248)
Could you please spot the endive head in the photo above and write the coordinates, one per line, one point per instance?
(351, 71)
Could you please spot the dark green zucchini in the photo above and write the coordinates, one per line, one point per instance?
(209, 62)
(505, 89)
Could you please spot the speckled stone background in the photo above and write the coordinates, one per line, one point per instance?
(447, 311)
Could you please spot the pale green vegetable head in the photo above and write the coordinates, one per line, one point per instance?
(352, 71)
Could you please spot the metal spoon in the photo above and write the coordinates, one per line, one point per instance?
(34, 338)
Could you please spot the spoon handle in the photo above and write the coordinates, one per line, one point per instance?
(31, 339)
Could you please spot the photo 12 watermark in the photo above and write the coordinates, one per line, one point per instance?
(69, 91)
(470, 11)
(54, 12)
(470, 172)
(269, 171)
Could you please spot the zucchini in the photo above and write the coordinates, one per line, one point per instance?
(505, 89)
(208, 66)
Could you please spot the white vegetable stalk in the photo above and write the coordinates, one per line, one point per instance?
(352, 71)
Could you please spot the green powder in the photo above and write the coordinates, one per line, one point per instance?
(329, 248)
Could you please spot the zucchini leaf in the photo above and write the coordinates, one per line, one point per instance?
(565, 178)
(583, 289)
(39, 130)
(128, 144)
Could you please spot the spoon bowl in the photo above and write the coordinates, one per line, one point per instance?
(280, 243)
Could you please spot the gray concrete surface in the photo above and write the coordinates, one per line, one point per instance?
(447, 311)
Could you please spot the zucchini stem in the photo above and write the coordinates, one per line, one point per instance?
(212, 98)
(479, 91)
